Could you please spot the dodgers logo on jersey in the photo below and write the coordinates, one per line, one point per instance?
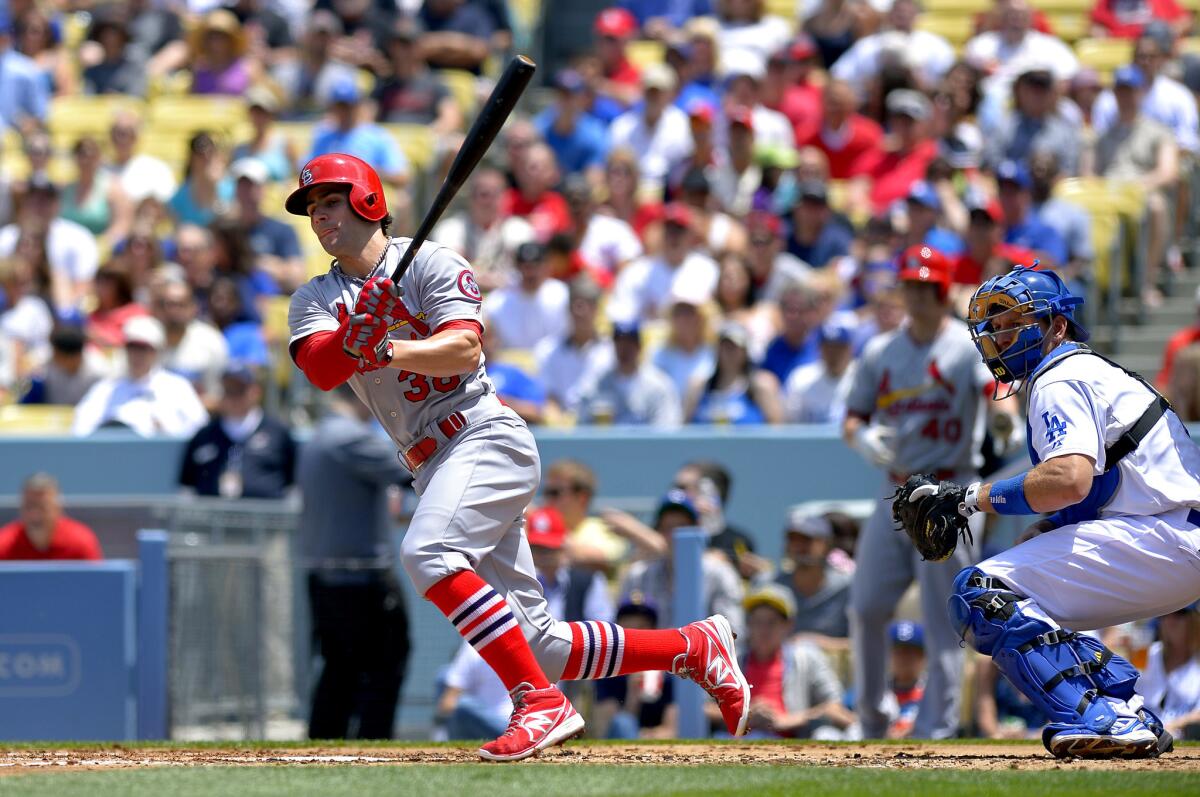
(1056, 429)
(468, 286)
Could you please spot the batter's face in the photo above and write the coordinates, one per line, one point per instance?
(923, 302)
(340, 231)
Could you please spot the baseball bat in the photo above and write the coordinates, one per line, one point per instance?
(481, 135)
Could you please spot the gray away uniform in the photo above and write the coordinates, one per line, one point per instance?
(933, 396)
(475, 487)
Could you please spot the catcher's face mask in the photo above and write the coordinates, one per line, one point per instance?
(1009, 334)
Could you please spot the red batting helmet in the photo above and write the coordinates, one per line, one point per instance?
(366, 190)
(922, 263)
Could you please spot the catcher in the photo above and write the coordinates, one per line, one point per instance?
(1119, 479)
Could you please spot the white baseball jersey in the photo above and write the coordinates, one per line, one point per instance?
(438, 288)
(932, 394)
(1080, 404)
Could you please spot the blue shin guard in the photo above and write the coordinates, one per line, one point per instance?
(1063, 673)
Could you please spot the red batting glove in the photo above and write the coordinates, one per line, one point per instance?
(379, 297)
(366, 340)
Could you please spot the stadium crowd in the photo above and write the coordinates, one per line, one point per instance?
(700, 218)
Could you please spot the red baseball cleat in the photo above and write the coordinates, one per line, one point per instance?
(711, 661)
(541, 718)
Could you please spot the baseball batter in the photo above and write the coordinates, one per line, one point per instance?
(411, 352)
(917, 403)
(1119, 477)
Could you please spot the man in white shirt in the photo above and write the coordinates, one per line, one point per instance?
(659, 132)
(1166, 101)
(1004, 53)
(532, 310)
(571, 366)
(195, 349)
(147, 399)
(606, 243)
(816, 393)
(641, 291)
(482, 234)
(70, 247)
(929, 55)
(631, 392)
(744, 73)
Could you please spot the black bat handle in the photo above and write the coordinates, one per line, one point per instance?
(479, 138)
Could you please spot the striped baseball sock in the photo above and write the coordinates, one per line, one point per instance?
(602, 650)
(483, 618)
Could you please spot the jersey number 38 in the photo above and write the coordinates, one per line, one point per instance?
(419, 385)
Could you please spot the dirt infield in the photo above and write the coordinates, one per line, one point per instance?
(932, 755)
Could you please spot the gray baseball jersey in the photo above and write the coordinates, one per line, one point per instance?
(438, 288)
(475, 487)
(931, 394)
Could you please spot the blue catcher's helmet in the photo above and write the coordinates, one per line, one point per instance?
(1005, 319)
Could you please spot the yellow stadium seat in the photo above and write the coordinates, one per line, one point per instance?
(1191, 5)
(71, 117)
(461, 84)
(519, 358)
(36, 419)
(1070, 27)
(418, 143)
(222, 116)
(1063, 6)
(275, 318)
(525, 13)
(965, 7)
(645, 53)
(954, 28)
(1108, 203)
(169, 147)
(1104, 55)
(783, 8)
(298, 134)
(1190, 45)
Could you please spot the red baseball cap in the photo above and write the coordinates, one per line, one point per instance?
(701, 110)
(677, 213)
(762, 220)
(616, 22)
(922, 263)
(801, 49)
(741, 115)
(545, 527)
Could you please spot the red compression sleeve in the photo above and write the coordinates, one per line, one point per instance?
(322, 359)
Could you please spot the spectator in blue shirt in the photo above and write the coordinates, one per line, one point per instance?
(579, 141)
(276, 247)
(24, 96)
(349, 134)
(1021, 226)
(657, 17)
(796, 344)
(818, 235)
(924, 209)
(243, 333)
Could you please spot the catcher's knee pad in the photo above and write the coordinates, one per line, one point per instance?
(1064, 673)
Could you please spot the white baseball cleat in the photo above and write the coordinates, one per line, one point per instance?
(541, 718)
(1127, 738)
(711, 661)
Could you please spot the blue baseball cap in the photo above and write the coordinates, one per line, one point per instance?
(1130, 76)
(677, 499)
(637, 603)
(837, 329)
(902, 632)
(922, 193)
(345, 90)
(1011, 171)
(570, 81)
(627, 329)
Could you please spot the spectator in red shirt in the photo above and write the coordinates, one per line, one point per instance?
(1179, 341)
(622, 81)
(795, 692)
(905, 161)
(534, 198)
(42, 531)
(850, 140)
(1126, 19)
(986, 253)
(789, 88)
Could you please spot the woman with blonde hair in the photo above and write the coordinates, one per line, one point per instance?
(622, 191)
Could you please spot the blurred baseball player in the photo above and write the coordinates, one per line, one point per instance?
(411, 352)
(917, 403)
(1120, 478)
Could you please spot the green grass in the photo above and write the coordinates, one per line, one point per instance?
(588, 780)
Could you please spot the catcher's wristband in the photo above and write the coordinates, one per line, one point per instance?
(970, 503)
(1007, 497)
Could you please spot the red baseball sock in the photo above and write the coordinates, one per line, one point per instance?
(602, 650)
(483, 618)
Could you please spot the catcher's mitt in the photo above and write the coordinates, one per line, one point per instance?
(931, 517)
